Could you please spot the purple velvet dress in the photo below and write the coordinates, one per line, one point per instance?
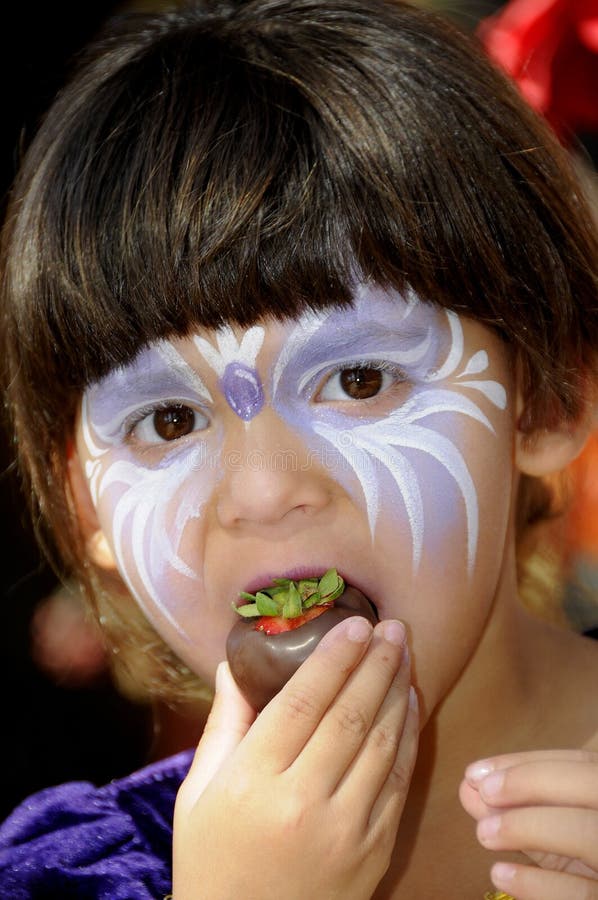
(108, 843)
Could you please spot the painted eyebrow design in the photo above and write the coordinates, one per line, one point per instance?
(371, 331)
(384, 346)
(315, 342)
(162, 374)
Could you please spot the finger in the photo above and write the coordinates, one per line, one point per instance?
(550, 783)
(472, 803)
(531, 883)
(377, 754)
(346, 726)
(230, 718)
(483, 767)
(388, 806)
(564, 831)
(288, 721)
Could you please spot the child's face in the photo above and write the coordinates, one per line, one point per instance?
(375, 439)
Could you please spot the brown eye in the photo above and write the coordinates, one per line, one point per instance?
(173, 422)
(360, 384)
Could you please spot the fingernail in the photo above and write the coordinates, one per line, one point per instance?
(220, 676)
(502, 875)
(413, 701)
(492, 785)
(488, 829)
(477, 771)
(394, 632)
(359, 630)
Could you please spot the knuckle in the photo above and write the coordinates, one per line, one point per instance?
(353, 721)
(384, 739)
(293, 813)
(399, 778)
(300, 704)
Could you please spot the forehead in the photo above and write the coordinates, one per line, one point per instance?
(377, 319)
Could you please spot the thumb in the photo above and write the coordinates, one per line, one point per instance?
(229, 721)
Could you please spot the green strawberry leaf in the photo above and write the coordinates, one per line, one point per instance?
(291, 598)
(328, 582)
(293, 606)
(307, 587)
(276, 591)
(266, 605)
(313, 600)
(247, 610)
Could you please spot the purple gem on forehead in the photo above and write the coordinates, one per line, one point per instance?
(243, 390)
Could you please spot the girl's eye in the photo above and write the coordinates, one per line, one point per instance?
(169, 423)
(356, 383)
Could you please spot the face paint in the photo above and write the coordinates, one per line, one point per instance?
(399, 456)
(235, 365)
(379, 452)
(144, 506)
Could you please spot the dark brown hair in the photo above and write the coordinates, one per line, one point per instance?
(230, 160)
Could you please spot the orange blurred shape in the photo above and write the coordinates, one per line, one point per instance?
(583, 510)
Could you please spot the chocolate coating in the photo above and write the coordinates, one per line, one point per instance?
(261, 664)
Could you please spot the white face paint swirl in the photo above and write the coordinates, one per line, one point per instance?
(390, 445)
(144, 506)
(401, 456)
(234, 362)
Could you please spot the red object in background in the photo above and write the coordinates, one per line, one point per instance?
(550, 48)
(582, 518)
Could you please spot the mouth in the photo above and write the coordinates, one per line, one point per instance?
(298, 573)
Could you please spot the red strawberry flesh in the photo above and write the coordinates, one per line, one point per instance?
(278, 624)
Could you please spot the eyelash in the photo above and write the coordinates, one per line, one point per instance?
(138, 416)
(378, 365)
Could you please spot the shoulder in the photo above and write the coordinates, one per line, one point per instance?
(105, 843)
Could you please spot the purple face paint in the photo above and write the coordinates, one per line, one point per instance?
(393, 456)
(234, 362)
(401, 456)
(144, 502)
(243, 390)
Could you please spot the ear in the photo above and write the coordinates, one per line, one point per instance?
(96, 545)
(550, 450)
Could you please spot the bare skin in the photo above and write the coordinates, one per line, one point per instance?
(280, 805)
(524, 704)
(323, 770)
(516, 670)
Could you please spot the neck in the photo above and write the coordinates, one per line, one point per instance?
(497, 705)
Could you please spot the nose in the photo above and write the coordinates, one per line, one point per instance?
(270, 476)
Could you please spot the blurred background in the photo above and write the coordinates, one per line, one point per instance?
(63, 717)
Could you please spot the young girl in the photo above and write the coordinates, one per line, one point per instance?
(292, 285)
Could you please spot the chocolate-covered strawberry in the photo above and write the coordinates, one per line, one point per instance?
(279, 627)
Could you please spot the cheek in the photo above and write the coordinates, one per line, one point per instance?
(154, 522)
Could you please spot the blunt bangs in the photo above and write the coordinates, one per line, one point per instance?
(233, 161)
(221, 166)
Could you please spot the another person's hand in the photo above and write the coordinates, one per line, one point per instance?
(545, 805)
(304, 800)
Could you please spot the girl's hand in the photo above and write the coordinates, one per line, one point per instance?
(304, 800)
(543, 804)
